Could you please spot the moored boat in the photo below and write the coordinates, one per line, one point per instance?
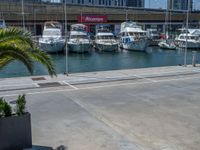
(133, 38)
(52, 40)
(192, 38)
(105, 40)
(79, 40)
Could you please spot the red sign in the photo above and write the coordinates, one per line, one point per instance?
(92, 18)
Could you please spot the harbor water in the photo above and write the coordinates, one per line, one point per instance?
(102, 61)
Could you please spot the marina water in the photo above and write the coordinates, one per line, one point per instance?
(102, 61)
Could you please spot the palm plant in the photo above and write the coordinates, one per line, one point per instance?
(17, 44)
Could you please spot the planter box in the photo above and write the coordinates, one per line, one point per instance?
(15, 132)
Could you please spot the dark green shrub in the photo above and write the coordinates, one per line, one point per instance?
(7, 110)
(1, 107)
(21, 105)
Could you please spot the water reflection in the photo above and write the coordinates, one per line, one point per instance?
(99, 61)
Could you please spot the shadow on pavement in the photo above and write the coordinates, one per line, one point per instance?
(36, 147)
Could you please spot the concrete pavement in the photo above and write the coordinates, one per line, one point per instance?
(142, 109)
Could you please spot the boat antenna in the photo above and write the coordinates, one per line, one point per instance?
(166, 18)
(126, 15)
(187, 25)
(66, 48)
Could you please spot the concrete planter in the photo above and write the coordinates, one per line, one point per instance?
(15, 132)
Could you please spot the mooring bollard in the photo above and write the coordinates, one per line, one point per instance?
(194, 58)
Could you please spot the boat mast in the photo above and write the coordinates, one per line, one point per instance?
(23, 18)
(126, 15)
(66, 49)
(166, 18)
(187, 25)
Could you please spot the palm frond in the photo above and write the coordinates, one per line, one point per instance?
(17, 44)
(5, 61)
(11, 53)
(13, 34)
(40, 56)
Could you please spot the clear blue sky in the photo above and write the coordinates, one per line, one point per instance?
(162, 4)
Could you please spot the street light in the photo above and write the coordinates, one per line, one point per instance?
(186, 44)
(66, 49)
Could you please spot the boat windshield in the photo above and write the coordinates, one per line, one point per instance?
(136, 34)
(190, 37)
(154, 32)
(79, 37)
(105, 37)
(51, 33)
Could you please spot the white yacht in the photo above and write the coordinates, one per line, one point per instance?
(79, 40)
(105, 40)
(2, 24)
(193, 39)
(133, 37)
(52, 40)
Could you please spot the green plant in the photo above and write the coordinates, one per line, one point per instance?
(6, 108)
(1, 107)
(21, 105)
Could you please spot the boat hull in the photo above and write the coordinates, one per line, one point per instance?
(167, 46)
(106, 47)
(80, 48)
(140, 45)
(52, 47)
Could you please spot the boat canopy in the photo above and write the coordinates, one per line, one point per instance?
(103, 28)
(131, 27)
(52, 24)
(190, 31)
(78, 27)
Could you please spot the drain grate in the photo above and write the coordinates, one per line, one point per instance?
(38, 78)
(50, 84)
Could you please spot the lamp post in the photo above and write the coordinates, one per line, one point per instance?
(186, 43)
(66, 49)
